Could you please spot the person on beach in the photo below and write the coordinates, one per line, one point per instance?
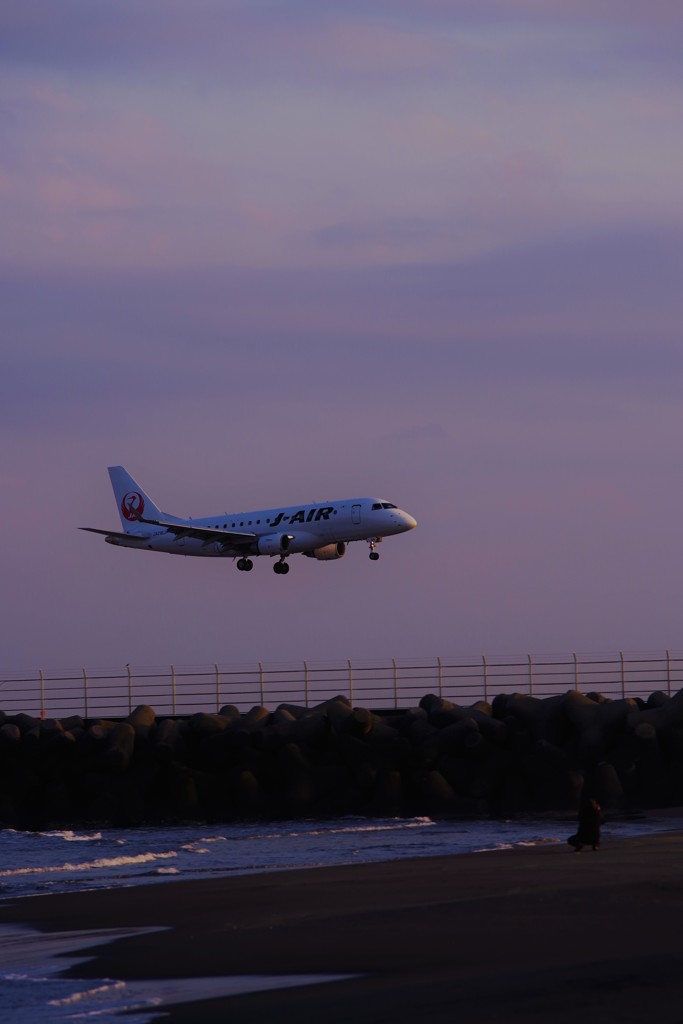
(590, 820)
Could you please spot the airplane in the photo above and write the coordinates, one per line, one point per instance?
(320, 530)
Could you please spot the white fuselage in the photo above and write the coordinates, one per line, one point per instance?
(306, 527)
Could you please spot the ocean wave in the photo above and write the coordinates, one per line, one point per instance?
(301, 829)
(90, 865)
(541, 841)
(79, 997)
(395, 826)
(72, 837)
(35, 863)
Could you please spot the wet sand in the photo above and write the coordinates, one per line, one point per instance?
(529, 934)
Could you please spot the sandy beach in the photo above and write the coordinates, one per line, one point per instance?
(528, 934)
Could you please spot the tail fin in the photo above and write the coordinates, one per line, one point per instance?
(131, 500)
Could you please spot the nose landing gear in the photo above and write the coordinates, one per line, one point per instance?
(374, 555)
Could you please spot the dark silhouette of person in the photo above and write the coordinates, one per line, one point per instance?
(590, 820)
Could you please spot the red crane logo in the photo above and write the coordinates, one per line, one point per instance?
(132, 506)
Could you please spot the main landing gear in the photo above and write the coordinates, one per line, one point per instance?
(246, 565)
(374, 555)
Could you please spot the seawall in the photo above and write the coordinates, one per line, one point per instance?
(517, 755)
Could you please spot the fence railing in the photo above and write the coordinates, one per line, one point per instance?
(182, 690)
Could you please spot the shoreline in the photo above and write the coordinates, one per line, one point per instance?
(114, 858)
(523, 934)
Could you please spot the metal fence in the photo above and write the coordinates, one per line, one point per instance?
(183, 690)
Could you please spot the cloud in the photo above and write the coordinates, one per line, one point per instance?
(116, 349)
(269, 136)
(394, 34)
(211, 37)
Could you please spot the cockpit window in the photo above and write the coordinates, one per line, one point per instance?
(382, 504)
(387, 504)
(376, 507)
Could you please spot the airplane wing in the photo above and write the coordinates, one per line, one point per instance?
(205, 533)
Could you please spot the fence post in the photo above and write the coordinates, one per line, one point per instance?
(130, 690)
(350, 682)
(306, 683)
(173, 689)
(531, 676)
(85, 693)
(260, 674)
(438, 662)
(486, 677)
(576, 672)
(218, 689)
(393, 662)
(623, 674)
(42, 693)
(668, 673)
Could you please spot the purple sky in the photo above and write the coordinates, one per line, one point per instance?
(267, 252)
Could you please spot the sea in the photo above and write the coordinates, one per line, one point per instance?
(32, 988)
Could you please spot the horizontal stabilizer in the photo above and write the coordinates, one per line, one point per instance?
(113, 533)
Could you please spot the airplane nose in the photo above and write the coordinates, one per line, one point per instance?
(409, 521)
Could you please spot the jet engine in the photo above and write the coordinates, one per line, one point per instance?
(328, 552)
(274, 544)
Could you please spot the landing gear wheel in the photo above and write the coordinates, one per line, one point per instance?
(281, 568)
(374, 556)
(245, 564)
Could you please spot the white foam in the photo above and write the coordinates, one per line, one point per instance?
(375, 827)
(541, 841)
(71, 836)
(102, 862)
(88, 993)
